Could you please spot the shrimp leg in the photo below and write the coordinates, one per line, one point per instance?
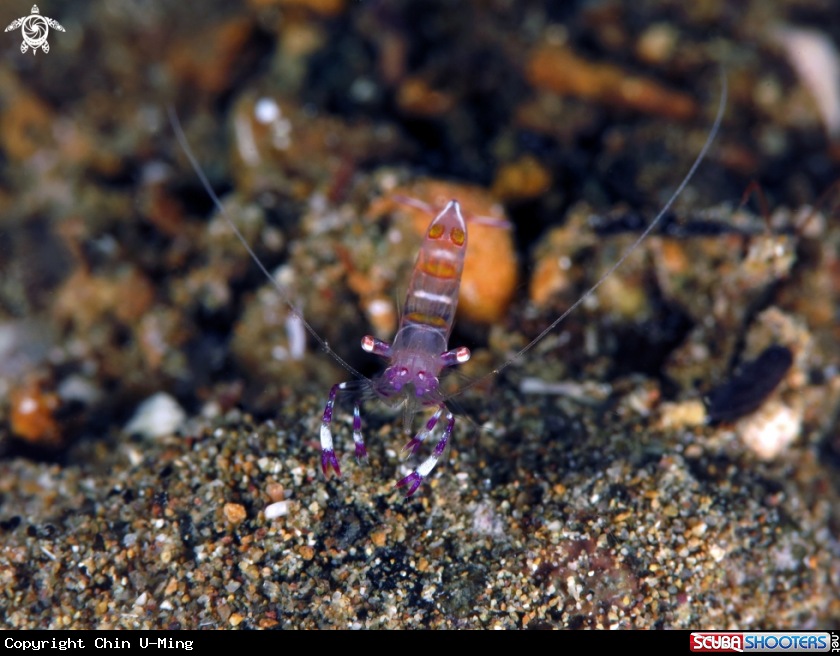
(358, 441)
(418, 439)
(328, 458)
(416, 477)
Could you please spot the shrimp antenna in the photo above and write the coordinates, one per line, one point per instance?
(635, 245)
(182, 139)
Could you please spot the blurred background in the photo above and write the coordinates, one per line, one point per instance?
(313, 118)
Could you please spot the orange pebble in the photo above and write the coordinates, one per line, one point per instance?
(553, 272)
(235, 513)
(560, 70)
(415, 96)
(674, 257)
(524, 178)
(275, 491)
(549, 279)
(32, 415)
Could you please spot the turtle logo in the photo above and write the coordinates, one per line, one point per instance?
(35, 29)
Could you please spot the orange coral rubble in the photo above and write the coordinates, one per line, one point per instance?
(558, 69)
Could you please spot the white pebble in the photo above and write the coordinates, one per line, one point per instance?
(771, 429)
(275, 510)
(296, 336)
(158, 416)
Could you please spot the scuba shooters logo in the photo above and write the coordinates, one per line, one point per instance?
(779, 642)
(35, 29)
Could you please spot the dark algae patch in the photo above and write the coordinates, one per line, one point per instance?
(750, 386)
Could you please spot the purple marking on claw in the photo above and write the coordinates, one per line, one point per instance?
(357, 423)
(415, 479)
(413, 444)
(328, 459)
(361, 452)
(328, 414)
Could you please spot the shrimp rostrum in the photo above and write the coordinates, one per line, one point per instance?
(419, 351)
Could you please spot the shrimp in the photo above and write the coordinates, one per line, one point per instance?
(420, 350)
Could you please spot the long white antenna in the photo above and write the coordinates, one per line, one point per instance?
(182, 139)
(642, 237)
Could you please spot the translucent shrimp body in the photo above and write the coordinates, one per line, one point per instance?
(419, 351)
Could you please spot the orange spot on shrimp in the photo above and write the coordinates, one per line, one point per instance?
(438, 269)
(429, 319)
(458, 236)
(436, 231)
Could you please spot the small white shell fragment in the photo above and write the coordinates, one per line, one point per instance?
(275, 510)
(158, 416)
(771, 429)
(583, 392)
(296, 336)
(717, 553)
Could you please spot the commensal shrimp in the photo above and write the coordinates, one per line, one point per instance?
(420, 351)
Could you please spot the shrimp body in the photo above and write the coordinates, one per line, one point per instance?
(419, 351)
